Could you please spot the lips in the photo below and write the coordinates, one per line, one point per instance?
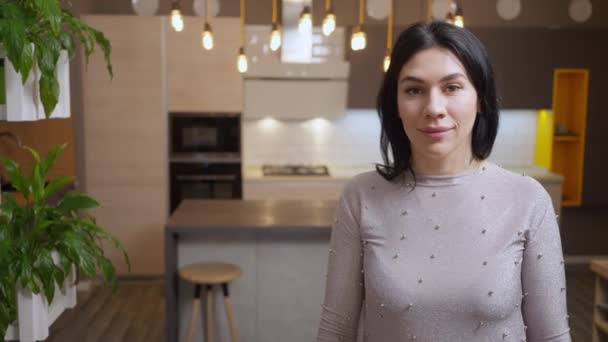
(434, 129)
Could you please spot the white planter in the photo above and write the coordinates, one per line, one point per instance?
(23, 101)
(35, 316)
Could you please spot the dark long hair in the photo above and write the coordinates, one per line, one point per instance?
(395, 146)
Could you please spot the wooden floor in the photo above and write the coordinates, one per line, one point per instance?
(136, 312)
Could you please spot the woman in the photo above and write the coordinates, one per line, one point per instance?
(439, 244)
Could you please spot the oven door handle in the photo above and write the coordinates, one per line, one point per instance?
(196, 178)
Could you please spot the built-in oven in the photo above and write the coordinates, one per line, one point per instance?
(205, 181)
(205, 159)
(205, 132)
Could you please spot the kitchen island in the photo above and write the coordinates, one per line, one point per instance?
(281, 247)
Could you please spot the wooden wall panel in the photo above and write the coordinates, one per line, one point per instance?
(125, 139)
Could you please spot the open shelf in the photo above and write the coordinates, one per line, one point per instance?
(566, 138)
(570, 91)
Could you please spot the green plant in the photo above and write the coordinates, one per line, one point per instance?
(31, 232)
(36, 31)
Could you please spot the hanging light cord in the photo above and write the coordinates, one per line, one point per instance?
(361, 12)
(207, 10)
(389, 31)
(274, 11)
(327, 6)
(242, 23)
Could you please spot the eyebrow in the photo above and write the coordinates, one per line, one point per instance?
(443, 79)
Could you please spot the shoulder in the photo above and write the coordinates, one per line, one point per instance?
(519, 184)
(521, 190)
(363, 184)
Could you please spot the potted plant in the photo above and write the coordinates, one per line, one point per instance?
(33, 34)
(41, 243)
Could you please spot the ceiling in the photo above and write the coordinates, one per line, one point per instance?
(478, 13)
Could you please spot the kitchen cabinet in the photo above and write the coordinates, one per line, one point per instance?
(204, 80)
(561, 134)
(125, 139)
(570, 112)
(295, 98)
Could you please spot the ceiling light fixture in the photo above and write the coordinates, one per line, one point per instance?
(275, 31)
(358, 39)
(329, 22)
(305, 22)
(207, 35)
(177, 20)
(389, 37)
(242, 58)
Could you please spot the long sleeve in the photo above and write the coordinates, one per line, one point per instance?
(543, 278)
(344, 286)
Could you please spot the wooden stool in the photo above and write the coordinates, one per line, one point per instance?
(208, 274)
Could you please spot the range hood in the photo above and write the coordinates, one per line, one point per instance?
(307, 78)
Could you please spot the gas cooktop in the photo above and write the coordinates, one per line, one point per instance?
(295, 170)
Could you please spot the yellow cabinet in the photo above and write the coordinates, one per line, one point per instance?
(570, 89)
(560, 134)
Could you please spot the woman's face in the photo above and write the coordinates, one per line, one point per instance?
(437, 104)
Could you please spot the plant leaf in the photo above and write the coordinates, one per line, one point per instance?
(51, 11)
(49, 93)
(34, 153)
(37, 183)
(67, 42)
(74, 201)
(106, 46)
(16, 176)
(51, 157)
(56, 185)
(13, 32)
(27, 61)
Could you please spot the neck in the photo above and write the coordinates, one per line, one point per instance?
(444, 166)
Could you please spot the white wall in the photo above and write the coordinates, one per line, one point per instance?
(353, 139)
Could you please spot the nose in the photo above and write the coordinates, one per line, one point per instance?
(435, 105)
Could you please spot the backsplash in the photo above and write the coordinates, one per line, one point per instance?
(353, 139)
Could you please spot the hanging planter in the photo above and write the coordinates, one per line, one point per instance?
(41, 246)
(23, 101)
(37, 40)
(35, 315)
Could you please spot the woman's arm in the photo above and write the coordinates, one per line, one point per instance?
(344, 286)
(543, 278)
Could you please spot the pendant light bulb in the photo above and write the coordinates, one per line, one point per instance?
(275, 37)
(207, 39)
(305, 22)
(329, 24)
(459, 21)
(242, 61)
(387, 61)
(177, 20)
(458, 15)
(358, 40)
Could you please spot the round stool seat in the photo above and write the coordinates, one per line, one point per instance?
(210, 272)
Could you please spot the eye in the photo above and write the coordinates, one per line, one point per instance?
(452, 88)
(413, 91)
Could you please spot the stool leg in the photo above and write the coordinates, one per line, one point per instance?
(209, 318)
(196, 305)
(228, 305)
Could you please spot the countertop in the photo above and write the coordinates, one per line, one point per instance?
(346, 172)
(251, 214)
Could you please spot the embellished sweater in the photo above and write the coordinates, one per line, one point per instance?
(475, 256)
